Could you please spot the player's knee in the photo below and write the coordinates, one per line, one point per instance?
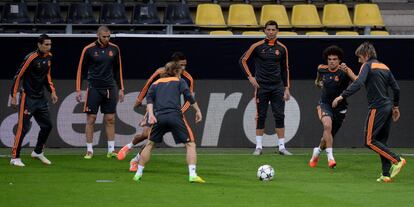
(190, 144)
(327, 127)
(90, 120)
(110, 120)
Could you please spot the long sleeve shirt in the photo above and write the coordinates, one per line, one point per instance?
(377, 78)
(101, 65)
(33, 75)
(271, 63)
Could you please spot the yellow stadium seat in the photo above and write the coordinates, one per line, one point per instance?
(277, 13)
(367, 15)
(242, 15)
(317, 33)
(305, 16)
(336, 15)
(379, 33)
(254, 33)
(286, 33)
(210, 15)
(348, 33)
(221, 33)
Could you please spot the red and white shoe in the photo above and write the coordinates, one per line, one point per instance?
(331, 164)
(133, 166)
(315, 158)
(123, 152)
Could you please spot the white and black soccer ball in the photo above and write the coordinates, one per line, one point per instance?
(265, 173)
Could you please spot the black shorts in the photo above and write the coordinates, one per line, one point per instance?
(337, 115)
(104, 98)
(175, 123)
(274, 96)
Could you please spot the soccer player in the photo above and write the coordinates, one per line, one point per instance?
(271, 83)
(377, 79)
(181, 60)
(164, 112)
(34, 74)
(332, 78)
(101, 61)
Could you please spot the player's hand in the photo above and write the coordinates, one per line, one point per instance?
(286, 96)
(198, 117)
(78, 96)
(343, 67)
(137, 104)
(319, 84)
(253, 81)
(336, 101)
(121, 96)
(14, 102)
(395, 114)
(152, 119)
(54, 98)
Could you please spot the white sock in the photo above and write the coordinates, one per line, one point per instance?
(281, 143)
(136, 158)
(259, 142)
(111, 146)
(89, 147)
(140, 170)
(192, 170)
(130, 145)
(329, 153)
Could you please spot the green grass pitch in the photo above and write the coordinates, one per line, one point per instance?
(230, 175)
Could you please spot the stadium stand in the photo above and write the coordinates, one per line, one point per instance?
(286, 33)
(177, 13)
(218, 32)
(253, 33)
(316, 33)
(48, 13)
(347, 33)
(15, 13)
(277, 13)
(336, 15)
(210, 15)
(367, 15)
(379, 33)
(242, 16)
(113, 13)
(144, 16)
(80, 13)
(305, 16)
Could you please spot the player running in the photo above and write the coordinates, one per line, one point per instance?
(377, 79)
(332, 78)
(164, 112)
(181, 60)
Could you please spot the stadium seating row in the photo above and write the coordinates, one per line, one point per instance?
(207, 15)
(303, 16)
(289, 33)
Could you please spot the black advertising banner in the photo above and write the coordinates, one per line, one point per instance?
(229, 117)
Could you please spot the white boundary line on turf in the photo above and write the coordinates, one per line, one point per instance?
(236, 154)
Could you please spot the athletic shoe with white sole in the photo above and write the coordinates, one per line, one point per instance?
(41, 157)
(17, 162)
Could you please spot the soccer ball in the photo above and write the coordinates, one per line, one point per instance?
(265, 173)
